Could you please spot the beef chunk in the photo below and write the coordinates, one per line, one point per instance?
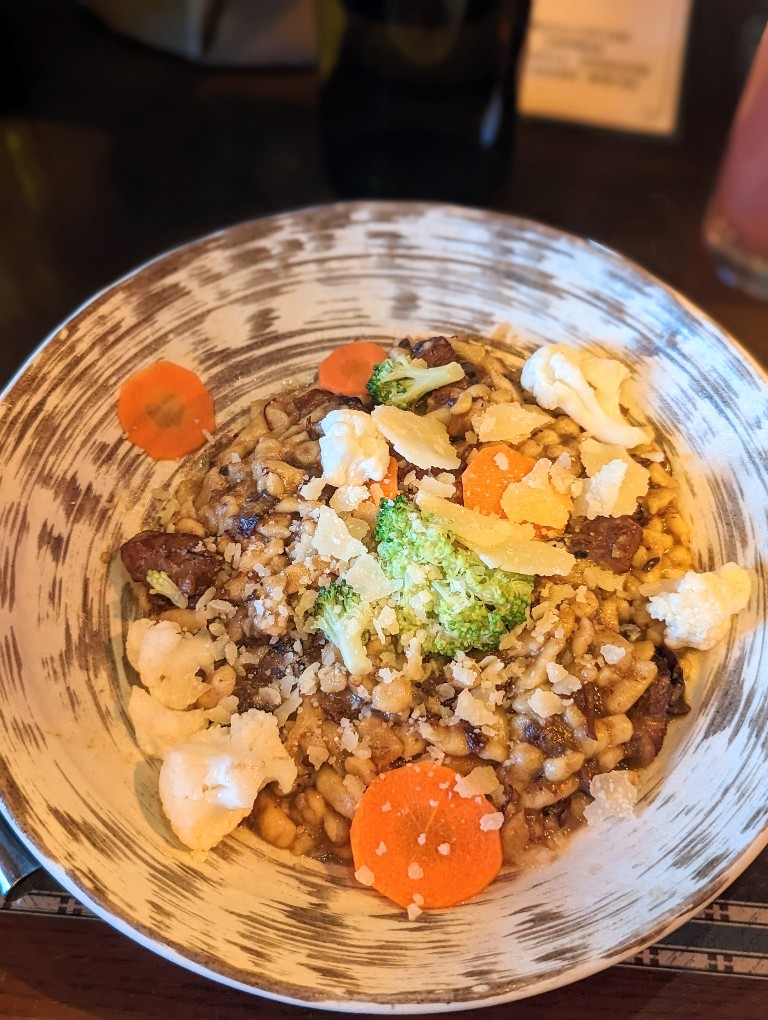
(191, 568)
(339, 704)
(311, 400)
(270, 667)
(247, 518)
(610, 542)
(667, 661)
(476, 739)
(553, 738)
(435, 351)
(649, 721)
(444, 396)
(307, 402)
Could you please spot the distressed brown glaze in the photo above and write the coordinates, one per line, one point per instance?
(250, 308)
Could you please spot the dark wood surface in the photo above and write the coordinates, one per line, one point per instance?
(111, 153)
(74, 969)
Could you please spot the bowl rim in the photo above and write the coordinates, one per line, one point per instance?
(479, 216)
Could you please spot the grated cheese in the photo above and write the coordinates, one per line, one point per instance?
(615, 797)
(493, 820)
(481, 780)
(546, 703)
(365, 876)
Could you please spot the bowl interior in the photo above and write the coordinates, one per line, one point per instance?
(249, 309)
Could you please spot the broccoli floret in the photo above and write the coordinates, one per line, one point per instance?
(402, 381)
(341, 615)
(443, 589)
(161, 584)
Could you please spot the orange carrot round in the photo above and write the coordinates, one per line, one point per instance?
(488, 474)
(347, 369)
(166, 410)
(416, 840)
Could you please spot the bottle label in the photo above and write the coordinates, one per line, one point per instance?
(611, 63)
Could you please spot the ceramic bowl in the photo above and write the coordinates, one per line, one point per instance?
(248, 309)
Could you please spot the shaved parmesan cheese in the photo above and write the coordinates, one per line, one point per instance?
(600, 494)
(562, 477)
(313, 488)
(528, 558)
(386, 623)
(546, 703)
(471, 709)
(421, 439)
(536, 501)
(473, 528)
(349, 497)
(463, 670)
(511, 423)
(332, 539)
(562, 681)
(612, 490)
(613, 653)
(366, 577)
(594, 455)
(436, 487)
(365, 876)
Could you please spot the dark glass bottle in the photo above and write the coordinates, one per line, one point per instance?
(418, 97)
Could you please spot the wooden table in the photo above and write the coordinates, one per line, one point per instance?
(110, 154)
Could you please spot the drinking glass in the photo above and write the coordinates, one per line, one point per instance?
(736, 221)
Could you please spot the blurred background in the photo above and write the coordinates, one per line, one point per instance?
(128, 127)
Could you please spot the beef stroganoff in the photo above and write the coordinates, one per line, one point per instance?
(469, 565)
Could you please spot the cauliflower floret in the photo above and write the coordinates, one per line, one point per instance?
(168, 660)
(352, 450)
(159, 728)
(586, 388)
(698, 611)
(209, 784)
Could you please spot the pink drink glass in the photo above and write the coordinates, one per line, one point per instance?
(736, 222)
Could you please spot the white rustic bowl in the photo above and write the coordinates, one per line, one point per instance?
(247, 308)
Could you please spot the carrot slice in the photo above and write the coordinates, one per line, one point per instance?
(347, 369)
(387, 487)
(488, 474)
(415, 839)
(166, 410)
